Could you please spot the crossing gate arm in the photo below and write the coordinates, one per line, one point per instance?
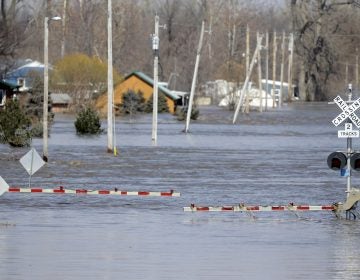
(257, 208)
(62, 190)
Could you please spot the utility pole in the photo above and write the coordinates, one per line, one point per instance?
(282, 68)
(346, 73)
(110, 85)
(290, 62)
(247, 66)
(259, 72)
(267, 69)
(247, 50)
(63, 29)
(46, 80)
(357, 70)
(193, 85)
(274, 67)
(155, 46)
(46, 89)
(242, 93)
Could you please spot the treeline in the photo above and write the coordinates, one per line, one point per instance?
(326, 36)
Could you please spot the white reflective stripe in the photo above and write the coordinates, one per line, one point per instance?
(90, 192)
(243, 208)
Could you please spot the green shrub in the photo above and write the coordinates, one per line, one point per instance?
(14, 125)
(88, 122)
(181, 115)
(162, 104)
(132, 102)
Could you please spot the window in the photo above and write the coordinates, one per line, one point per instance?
(21, 82)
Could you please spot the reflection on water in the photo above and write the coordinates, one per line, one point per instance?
(274, 157)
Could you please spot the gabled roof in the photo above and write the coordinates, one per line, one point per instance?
(60, 98)
(24, 70)
(8, 85)
(150, 82)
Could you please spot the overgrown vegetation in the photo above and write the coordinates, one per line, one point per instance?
(132, 103)
(34, 108)
(88, 122)
(83, 77)
(14, 125)
(162, 104)
(181, 115)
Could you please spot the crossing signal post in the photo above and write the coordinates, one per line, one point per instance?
(348, 160)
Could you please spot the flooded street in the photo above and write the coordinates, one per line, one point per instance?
(268, 158)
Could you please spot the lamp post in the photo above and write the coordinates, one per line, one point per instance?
(46, 86)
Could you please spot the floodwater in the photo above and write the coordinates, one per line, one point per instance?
(268, 158)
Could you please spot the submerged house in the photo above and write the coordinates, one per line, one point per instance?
(138, 81)
(24, 74)
(7, 91)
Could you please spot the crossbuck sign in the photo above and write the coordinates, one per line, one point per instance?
(347, 111)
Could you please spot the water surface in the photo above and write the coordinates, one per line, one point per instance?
(274, 157)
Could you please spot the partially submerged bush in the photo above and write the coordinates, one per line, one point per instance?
(14, 125)
(132, 102)
(181, 115)
(88, 122)
(162, 104)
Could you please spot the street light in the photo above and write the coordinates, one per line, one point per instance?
(46, 85)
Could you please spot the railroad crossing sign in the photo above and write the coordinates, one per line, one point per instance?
(348, 112)
(348, 132)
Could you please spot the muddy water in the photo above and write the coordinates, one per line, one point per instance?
(275, 157)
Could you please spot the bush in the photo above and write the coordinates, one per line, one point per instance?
(183, 112)
(14, 125)
(88, 122)
(132, 102)
(162, 104)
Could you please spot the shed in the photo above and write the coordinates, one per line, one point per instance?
(60, 102)
(138, 81)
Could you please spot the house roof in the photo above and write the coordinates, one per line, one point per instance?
(60, 98)
(150, 82)
(26, 67)
(9, 86)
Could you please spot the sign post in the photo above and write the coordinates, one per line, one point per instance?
(349, 117)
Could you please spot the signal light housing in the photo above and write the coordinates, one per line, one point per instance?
(355, 161)
(338, 160)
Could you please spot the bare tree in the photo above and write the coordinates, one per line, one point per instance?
(314, 26)
(11, 30)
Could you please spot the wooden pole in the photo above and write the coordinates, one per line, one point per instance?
(259, 73)
(282, 68)
(291, 51)
(267, 69)
(274, 68)
(346, 74)
(357, 70)
(193, 85)
(242, 93)
(110, 85)
(155, 89)
(46, 89)
(247, 50)
(63, 40)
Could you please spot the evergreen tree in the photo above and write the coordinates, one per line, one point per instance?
(162, 104)
(88, 122)
(132, 102)
(14, 125)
